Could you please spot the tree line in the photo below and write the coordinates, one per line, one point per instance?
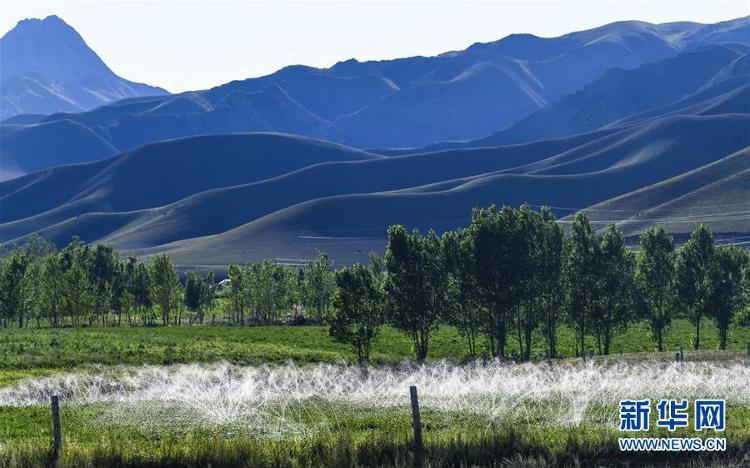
(513, 273)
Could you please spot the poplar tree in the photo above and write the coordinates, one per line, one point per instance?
(317, 287)
(582, 277)
(693, 277)
(726, 297)
(613, 311)
(497, 255)
(416, 286)
(359, 309)
(459, 256)
(654, 276)
(12, 288)
(165, 285)
(550, 291)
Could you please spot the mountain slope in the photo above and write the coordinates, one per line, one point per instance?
(46, 67)
(652, 90)
(340, 206)
(715, 194)
(230, 205)
(620, 93)
(48, 141)
(406, 102)
(163, 172)
(349, 226)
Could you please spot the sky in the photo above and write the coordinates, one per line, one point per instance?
(190, 45)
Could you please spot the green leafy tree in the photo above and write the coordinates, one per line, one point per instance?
(270, 289)
(726, 298)
(199, 293)
(52, 289)
(317, 287)
(459, 256)
(416, 286)
(283, 290)
(549, 291)
(654, 276)
(498, 254)
(127, 304)
(582, 277)
(359, 309)
(616, 273)
(106, 275)
(138, 284)
(36, 248)
(80, 294)
(537, 269)
(238, 293)
(165, 285)
(693, 277)
(13, 298)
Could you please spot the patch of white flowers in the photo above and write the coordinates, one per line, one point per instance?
(565, 392)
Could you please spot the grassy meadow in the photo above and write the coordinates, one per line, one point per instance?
(103, 434)
(33, 352)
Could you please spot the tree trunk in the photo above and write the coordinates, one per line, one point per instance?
(723, 328)
(527, 356)
(583, 339)
(521, 350)
(607, 341)
(501, 338)
(697, 332)
(551, 336)
(660, 339)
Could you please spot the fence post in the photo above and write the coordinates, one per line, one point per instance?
(57, 436)
(677, 357)
(682, 354)
(748, 351)
(417, 426)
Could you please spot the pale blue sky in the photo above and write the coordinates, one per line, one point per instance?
(184, 45)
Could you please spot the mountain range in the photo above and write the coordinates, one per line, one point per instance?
(634, 123)
(408, 102)
(46, 67)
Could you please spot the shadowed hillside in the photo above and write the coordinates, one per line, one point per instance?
(348, 226)
(345, 207)
(217, 210)
(164, 172)
(715, 194)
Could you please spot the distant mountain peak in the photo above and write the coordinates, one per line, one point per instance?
(46, 67)
(49, 20)
(50, 47)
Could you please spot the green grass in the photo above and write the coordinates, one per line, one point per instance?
(353, 437)
(33, 352)
(95, 435)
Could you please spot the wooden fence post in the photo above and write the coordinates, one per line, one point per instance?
(682, 354)
(417, 426)
(57, 436)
